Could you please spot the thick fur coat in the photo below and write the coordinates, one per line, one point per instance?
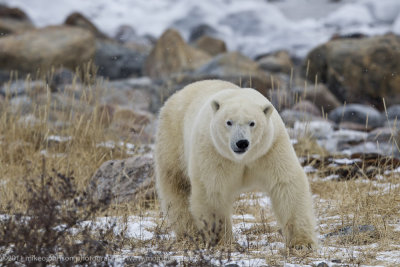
(215, 141)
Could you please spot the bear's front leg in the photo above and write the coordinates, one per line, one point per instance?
(292, 204)
(212, 212)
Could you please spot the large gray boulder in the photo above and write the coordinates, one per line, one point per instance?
(359, 114)
(116, 61)
(45, 48)
(359, 70)
(13, 20)
(319, 95)
(393, 112)
(237, 68)
(172, 54)
(122, 181)
(76, 19)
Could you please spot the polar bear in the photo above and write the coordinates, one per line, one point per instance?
(216, 140)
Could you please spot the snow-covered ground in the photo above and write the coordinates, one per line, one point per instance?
(259, 239)
(252, 26)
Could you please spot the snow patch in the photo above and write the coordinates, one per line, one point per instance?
(309, 169)
(384, 10)
(318, 129)
(396, 25)
(134, 227)
(247, 217)
(348, 15)
(346, 161)
(58, 138)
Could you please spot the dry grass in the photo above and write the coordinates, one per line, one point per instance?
(361, 199)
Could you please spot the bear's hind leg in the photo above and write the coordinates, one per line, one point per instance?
(174, 190)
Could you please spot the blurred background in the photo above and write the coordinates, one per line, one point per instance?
(81, 84)
(314, 59)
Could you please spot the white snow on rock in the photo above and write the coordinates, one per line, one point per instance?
(384, 10)
(318, 129)
(348, 15)
(396, 25)
(350, 135)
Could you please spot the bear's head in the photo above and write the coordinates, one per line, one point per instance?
(241, 125)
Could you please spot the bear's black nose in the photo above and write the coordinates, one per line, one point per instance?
(242, 144)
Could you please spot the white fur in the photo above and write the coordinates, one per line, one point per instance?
(198, 174)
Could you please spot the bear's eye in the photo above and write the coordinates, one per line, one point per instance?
(252, 124)
(229, 123)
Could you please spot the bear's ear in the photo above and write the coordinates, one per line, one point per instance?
(215, 105)
(268, 110)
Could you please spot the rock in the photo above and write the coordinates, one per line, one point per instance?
(125, 33)
(132, 117)
(172, 55)
(307, 106)
(78, 20)
(281, 99)
(62, 77)
(64, 107)
(382, 135)
(319, 129)
(21, 87)
(393, 112)
(351, 230)
(46, 48)
(359, 70)
(138, 47)
(21, 105)
(135, 93)
(355, 35)
(116, 61)
(75, 90)
(128, 37)
(322, 264)
(319, 95)
(290, 117)
(392, 124)
(237, 68)
(136, 125)
(200, 31)
(210, 45)
(120, 181)
(350, 136)
(354, 126)
(357, 113)
(5, 76)
(13, 20)
(279, 61)
(383, 149)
